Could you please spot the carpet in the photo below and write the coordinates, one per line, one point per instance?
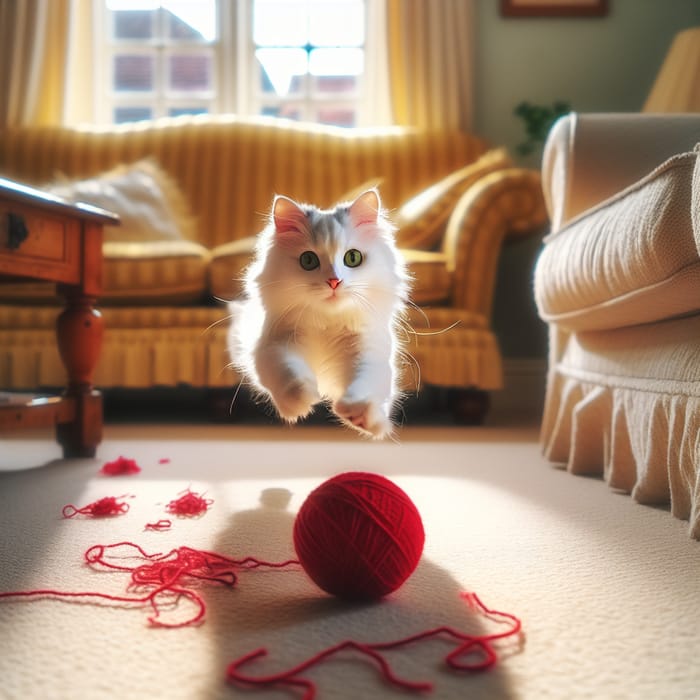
(607, 589)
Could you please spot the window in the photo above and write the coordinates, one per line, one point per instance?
(300, 59)
(309, 58)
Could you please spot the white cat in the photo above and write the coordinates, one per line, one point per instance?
(323, 300)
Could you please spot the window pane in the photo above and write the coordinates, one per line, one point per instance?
(337, 116)
(190, 72)
(336, 62)
(337, 23)
(133, 72)
(282, 111)
(131, 114)
(133, 24)
(296, 85)
(281, 65)
(179, 111)
(336, 84)
(280, 23)
(191, 20)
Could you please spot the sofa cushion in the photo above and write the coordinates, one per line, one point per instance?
(421, 220)
(148, 201)
(632, 259)
(152, 272)
(228, 262)
(431, 280)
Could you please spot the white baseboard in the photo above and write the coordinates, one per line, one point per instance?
(523, 390)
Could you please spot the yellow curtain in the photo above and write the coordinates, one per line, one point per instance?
(79, 80)
(33, 51)
(430, 46)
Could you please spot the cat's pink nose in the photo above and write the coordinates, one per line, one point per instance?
(333, 282)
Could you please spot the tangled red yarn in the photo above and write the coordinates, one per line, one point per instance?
(104, 507)
(166, 577)
(120, 466)
(189, 504)
(358, 536)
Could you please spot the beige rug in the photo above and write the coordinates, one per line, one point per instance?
(607, 590)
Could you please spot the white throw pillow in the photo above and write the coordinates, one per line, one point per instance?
(149, 203)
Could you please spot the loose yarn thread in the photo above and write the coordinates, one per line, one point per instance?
(120, 466)
(163, 524)
(167, 575)
(189, 504)
(102, 508)
(459, 659)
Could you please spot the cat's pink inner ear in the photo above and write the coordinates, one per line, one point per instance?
(288, 216)
(365, 209)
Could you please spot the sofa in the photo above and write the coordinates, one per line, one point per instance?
(193, 191)
(618, 283)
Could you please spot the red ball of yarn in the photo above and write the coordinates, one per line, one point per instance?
(358, 536)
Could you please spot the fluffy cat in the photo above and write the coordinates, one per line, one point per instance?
(318, 322)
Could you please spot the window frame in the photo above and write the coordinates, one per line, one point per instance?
(235, 90)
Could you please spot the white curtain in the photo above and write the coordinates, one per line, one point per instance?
(375, 105)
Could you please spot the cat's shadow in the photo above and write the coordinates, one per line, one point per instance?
(282, 611)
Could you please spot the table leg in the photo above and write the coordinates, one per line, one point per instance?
(79, 332)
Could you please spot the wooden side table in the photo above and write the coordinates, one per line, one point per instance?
(45, 238)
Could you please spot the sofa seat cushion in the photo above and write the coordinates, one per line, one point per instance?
(431, 279)
(228, 262)
(155, 272)
(432, 282)
(152, 272)
(632, 259)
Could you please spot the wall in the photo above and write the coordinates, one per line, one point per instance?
(598, 65)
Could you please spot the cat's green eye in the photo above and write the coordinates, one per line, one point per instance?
(352, 258)
(309, 260)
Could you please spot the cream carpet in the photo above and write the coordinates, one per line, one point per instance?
(607, 590)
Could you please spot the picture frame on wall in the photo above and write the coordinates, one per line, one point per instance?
(554, 8)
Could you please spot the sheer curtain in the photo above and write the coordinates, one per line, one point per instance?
(419, 63)
(33, 52)
(375, 105)
(430, 58)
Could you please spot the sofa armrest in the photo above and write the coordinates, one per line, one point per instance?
(590, 157)
(504, 204)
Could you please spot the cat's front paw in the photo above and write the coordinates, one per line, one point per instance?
(296, 400)
(366, 415)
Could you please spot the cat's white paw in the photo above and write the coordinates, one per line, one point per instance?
(296, 400)
(365, 415)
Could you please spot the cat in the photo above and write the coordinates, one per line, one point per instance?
(321, 312)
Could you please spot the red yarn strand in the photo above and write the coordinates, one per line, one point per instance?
(159, 525)
(456, 659)
(104, 507)
(189, 504)
(169, 577)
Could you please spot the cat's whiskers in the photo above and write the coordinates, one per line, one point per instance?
(228, 317)
(280, 321)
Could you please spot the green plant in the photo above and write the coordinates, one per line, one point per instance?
(538, 119)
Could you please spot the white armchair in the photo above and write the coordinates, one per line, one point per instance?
(618, 283)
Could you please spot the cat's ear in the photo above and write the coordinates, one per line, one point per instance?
(366, 208)
(287, 215)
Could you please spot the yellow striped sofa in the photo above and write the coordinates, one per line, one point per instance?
(453, 199)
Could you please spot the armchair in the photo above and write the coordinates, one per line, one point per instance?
(618, 283)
